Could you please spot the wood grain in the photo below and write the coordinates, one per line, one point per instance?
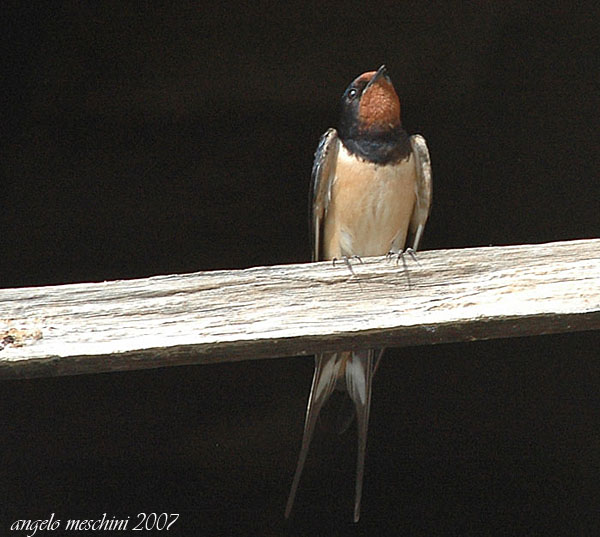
(268, 312)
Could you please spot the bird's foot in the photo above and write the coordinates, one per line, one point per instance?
(347, 262)
(400, 256)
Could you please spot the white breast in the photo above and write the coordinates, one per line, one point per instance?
(369, 208)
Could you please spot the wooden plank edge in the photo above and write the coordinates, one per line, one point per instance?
(180, 355)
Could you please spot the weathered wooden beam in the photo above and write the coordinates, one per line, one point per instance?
(266, 312)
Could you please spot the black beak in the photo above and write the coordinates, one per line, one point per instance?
(381, 72)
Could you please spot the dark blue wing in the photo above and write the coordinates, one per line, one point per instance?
(323, 171)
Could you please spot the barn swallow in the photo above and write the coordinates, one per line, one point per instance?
(370, 195)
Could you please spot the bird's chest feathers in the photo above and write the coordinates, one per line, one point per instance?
(370, 206)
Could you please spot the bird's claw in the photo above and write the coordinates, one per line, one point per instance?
(400, 255)
(347, 262)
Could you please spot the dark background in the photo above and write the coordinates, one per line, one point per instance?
(148, 139)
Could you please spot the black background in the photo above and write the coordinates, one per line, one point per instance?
(155, 139)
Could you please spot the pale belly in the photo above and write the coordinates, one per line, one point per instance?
(370, 207)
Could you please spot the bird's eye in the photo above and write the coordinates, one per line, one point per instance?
(352, 93)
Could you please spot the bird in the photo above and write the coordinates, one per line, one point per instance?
(370, 195)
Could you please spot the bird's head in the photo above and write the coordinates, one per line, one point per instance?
(370, 106)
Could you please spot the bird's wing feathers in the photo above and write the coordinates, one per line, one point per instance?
(322, 175)
(423, 188)
(327, 366)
